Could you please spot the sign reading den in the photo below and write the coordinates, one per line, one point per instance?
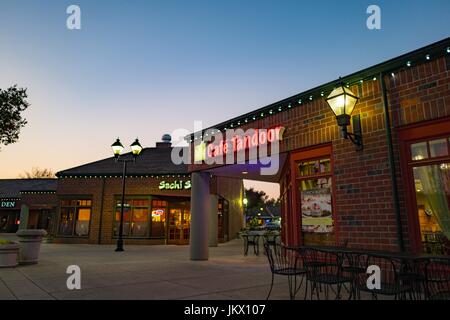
(175, 185)
(7, 204)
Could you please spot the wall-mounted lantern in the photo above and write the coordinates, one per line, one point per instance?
(342, 101)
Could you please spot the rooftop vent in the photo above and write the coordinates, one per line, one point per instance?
(166, 141)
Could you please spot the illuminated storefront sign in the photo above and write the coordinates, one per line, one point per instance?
(175, 185)
(256, 138)
(7, 204)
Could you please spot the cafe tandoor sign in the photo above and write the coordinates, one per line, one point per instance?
(175, 185)
(251, 140)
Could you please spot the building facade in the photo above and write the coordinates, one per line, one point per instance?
(84, 205)
(392, 194)
(35, 197)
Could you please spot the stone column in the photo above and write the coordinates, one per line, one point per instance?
(24, 215)
(213, 220)
(200, 214)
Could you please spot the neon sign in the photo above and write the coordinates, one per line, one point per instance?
(8, 204)
(247, 141)
(175, 185)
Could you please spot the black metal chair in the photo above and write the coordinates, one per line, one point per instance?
(437, 278)
(251, 240)
(285, 262)
(394, 280)
(324, 269)
(353, 266)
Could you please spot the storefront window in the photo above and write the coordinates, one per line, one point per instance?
(438, 148)
(135, 218)
(315, 189)
(75, 217)
(432, 186)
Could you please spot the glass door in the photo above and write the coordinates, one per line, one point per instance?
(179, 226)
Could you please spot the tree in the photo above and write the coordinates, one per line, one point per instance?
(12, 103)
(37, 173)
(255, 198)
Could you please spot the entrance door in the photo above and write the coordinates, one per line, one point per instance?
(179, 226)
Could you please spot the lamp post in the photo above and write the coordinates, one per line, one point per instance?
(342, 101)
(136, 149)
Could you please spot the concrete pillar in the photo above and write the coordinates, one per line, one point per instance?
(200, 214)
(213, 220)
(24, 215)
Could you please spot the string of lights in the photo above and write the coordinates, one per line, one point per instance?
(409, 60)
(142, 176)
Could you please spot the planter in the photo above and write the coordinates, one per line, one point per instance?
(9, 253)
(30, 245)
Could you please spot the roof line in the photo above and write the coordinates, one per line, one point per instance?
(434, 50)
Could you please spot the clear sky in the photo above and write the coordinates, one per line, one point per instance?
(144, 68)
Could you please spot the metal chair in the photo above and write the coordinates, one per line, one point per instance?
(251, 240)
(437, 277)
(394, 282)
(324, 269)
(285, 262)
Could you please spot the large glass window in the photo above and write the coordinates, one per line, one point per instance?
(135, 218)
(315, 190)
(432, 185)
(75, 217)
(431, 171)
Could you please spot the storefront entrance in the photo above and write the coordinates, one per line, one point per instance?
(179, 226)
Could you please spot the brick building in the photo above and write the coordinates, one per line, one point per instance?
(83, 204)
(392, 193)
(35, 197)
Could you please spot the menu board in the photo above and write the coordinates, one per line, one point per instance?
(317, 211)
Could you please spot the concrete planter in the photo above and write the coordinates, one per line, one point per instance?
(9, 254)
(30, 245)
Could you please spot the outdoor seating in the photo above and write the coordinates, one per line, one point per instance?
(437, 278)
(251, 240)
(395, 281)
(323, 271)
(286, 262)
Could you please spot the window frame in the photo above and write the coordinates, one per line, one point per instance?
(75, 207)
(311, 154)
(409, 135)
(117, 200)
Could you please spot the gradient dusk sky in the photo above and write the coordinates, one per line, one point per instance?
(145, 68)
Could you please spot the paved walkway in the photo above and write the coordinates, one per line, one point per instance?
(143, 272)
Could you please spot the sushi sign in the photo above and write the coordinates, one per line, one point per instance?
(7, 204)
(175, 185)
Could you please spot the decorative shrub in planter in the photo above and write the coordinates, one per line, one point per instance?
(30, 245)
(9, 252)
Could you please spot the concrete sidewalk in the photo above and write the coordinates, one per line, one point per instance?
(143, 272)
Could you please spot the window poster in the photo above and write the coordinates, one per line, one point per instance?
(316, 210)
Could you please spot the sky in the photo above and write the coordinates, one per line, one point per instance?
(145, 68)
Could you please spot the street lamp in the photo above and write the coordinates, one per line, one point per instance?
(342, 101)
(136, 149)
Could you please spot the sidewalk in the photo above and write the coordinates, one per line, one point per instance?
(143, 272)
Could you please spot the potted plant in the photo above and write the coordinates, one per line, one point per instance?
(30, 245)
(9, 252)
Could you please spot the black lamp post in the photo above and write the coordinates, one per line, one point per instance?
(342, 101)
(136, 149)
